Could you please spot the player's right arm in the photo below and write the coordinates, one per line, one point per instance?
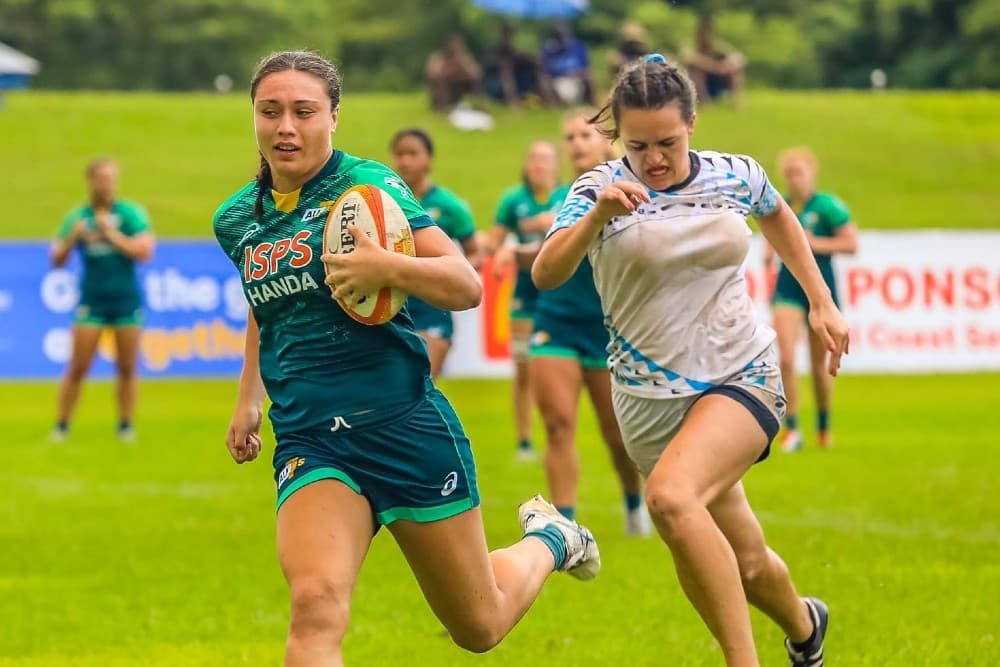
(70, 231)
(242, 438)
(577, 225)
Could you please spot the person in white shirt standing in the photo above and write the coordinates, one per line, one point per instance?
(696, 382)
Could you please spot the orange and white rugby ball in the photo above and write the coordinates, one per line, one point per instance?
(378, 215)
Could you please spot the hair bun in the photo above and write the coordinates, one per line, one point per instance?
(656, 58)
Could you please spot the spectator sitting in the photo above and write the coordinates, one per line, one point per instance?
(451, 73)
(631, 47)
(567, 64)
(714, 66)
(511, 76)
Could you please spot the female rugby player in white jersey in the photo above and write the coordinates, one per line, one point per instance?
(696, 384)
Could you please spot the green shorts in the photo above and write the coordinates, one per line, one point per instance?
(121, 313)
(522, 305)
(435, 322)
(788, 292)
(418, 467)
(583, 341)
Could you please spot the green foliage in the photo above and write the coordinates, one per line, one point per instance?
(184, 44)
(162, 553)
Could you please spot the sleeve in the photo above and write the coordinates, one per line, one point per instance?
(67, 224)
(764, 198)
(836, 211)
(381, 176)
(506, 214)
(135, 221)
(581, 199)
(463, 226)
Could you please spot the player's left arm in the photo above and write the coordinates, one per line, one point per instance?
(844, 241)
(439, 273)
(784, 232)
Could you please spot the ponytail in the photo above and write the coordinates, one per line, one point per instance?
(264, 183)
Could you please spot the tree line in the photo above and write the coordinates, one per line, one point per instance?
(383, 44)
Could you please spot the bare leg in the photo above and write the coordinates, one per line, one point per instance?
(437, 350)
(523, 401)
(127, 363)
(598, 383)
(85, 339)
(556, 382)
(765, 577)
(324, 531)
(821, 378)
(788, 324)
(717, 443)
(477, 595)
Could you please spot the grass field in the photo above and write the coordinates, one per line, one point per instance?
(161, 554)
(900, 160)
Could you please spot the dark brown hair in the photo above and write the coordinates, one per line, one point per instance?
(416, 133)
(651, 84)
(283, 61)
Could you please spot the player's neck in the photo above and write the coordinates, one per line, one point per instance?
(421, 187)
(286, 183)
(101, 204)
(801, 199)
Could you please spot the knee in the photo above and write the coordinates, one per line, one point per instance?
(127, 370)
(787, 362)
(558, 429)
(668, 504)
(77, 371)
(753, 567)
(476, 635)
(320, 609)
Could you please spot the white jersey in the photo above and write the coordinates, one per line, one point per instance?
(671, 274)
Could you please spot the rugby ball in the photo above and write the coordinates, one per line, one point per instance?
(378, 215)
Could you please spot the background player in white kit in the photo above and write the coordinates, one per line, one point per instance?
(696, 383)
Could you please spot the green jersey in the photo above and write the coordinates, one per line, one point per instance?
(322, 369)
(108, 274)
(576, 299)
(516, 205)
(449, 212)
(822, 215)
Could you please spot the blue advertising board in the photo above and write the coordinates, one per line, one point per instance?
(195, 312)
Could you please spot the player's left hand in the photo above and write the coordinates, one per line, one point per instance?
(826, 320)
(357, 273)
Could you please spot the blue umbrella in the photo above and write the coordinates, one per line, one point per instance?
(535, 9)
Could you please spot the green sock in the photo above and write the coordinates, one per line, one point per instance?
(633, 501)
(567, 511)
(791, 422)
(554, 540)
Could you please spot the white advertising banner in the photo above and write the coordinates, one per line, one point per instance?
(916, 302)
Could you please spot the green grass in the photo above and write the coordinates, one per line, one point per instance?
(900, 160)
(162, 554)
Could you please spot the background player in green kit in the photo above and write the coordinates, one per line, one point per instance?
(525, 213)
(830, 230)
(568, 353)
(413, 153)
(363, 437)
(112, 235)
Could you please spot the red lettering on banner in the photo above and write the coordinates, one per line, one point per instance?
(897, 275)
(860, 281)
(979, 338)
(942, 285)
(884, 337)
(978, 295)
(496, 312)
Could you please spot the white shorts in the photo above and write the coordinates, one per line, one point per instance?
(649, 424)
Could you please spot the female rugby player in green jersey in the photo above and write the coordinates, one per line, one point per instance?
(363, 437)
(695, 378)
(112, 235)
(525, 213)
(830, 231)
(413, 155)
(568, 352)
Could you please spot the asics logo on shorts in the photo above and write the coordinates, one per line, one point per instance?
(450, 484)
(339, 423)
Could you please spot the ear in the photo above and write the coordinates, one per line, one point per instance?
(694, 117)
(334, 116)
